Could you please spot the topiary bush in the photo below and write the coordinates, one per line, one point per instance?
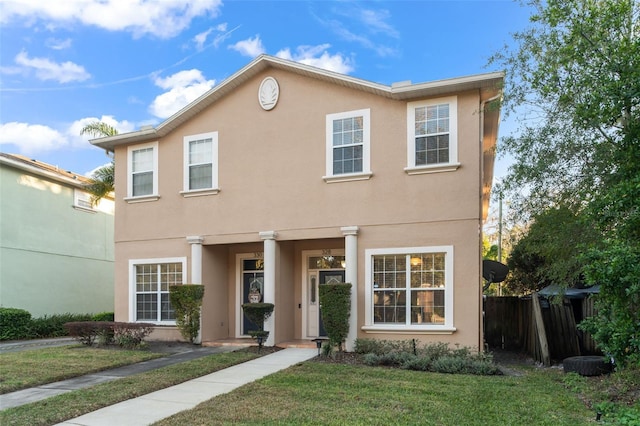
(14, 323)
(186, 300)
(336, 309)
(258, 313)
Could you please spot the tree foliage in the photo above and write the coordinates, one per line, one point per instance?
(186, 300)
(574, 79)
(336, 309)
(102, 181)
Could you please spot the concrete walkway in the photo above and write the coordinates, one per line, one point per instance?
(158, 405)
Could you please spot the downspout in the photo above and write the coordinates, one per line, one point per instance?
(483, 104)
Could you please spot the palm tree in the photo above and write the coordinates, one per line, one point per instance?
(102, 180)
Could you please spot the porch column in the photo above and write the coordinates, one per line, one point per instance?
(351, 276)
(196, 259)
(269, 238)
(196, 270)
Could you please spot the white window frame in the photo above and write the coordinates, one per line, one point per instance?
(82, 201)
(213, 188)
(142, 198)
(366, 173)
(453, 163)
(132, 284)
(446, 328)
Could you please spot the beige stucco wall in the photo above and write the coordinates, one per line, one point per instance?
(271, 165)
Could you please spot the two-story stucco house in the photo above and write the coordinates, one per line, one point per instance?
(285, 177)
(56, 248)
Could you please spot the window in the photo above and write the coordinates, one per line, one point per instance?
(410, 288)
(150, 282)
(201, 163)
(82, 200)
(347, 146)
(432, 131)
(143, 172)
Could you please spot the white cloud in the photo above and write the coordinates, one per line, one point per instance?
(318, 56)
(36, 139)
(201, 39)
(46, 69)
(251, 47)
(160, 18)
(183, 87)
(375, 20)
(57, 44)
(31, 139)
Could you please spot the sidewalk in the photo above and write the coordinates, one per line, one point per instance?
(158, 405)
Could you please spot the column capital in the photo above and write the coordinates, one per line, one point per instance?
(268, 235)
(349, 230)
(195, 239)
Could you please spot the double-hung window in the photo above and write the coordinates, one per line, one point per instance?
(150, 282)
(143, 171)
(409, 288)
(201, 163)
(432, 129)
(348, 146)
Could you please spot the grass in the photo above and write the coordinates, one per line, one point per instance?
(73, 404)
(20, 370)
(333, 393)
(320, 393)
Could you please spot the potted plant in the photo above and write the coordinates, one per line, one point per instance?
(258, 314)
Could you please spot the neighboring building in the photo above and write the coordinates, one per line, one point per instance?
(284, 177)
(56, 250)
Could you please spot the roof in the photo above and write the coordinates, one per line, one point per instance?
(43, 169)
(570, 293)
(489, 84)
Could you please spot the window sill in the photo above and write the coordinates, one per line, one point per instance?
(199, 192)
(84, 209)
(347, 177)
(403, 329)
(437, 168)
(142, 199)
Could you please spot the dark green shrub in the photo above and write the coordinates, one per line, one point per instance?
(186, 300)
(381, 347)
(53, 325)
(258, 313)
(14, 323)
(336, 308)
(103, 316)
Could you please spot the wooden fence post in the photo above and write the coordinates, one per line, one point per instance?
(540, 331)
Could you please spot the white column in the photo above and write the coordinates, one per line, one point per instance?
(196, 259)
(351, 276)
(196, 270)
(269, 238)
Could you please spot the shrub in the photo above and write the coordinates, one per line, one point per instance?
(14, 323)
(131, 335)
(86, 332)
(186, 300)
(103, 316)
(336, 308)
(53, 325)
(258, 313)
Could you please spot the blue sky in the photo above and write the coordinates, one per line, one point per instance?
(132, 63)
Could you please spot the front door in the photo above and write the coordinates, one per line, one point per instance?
(252, 282)
(328, 277)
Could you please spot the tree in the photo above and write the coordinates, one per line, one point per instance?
(102, 181)
(576, 75)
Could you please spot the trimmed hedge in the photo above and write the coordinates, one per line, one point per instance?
(186, 300)
(129, 335)
(336, 309)
(14, 323)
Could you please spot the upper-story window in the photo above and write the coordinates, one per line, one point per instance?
(432, 144)
(348, 146)
(201, 163)
(82, 200)
(143, 172)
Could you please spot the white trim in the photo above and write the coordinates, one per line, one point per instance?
(452, 164)
(366, 173)
(213, 188)
(81, 197)
(147, 197)
(132, 283)
(448, 325)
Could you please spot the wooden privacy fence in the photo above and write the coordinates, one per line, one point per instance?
(542, 329)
